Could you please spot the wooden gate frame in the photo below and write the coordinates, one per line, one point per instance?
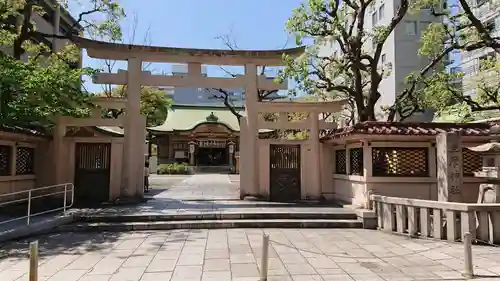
(108, 155)
(285, 171)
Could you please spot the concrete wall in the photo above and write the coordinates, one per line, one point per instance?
(355, 190)
(42, 175)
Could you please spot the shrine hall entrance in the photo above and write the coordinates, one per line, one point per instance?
(211, 156)
(284, 176)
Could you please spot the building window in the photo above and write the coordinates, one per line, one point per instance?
(471, 162)
(374, 18)
(356, 161)
(25, 161)
(381, 12)
(5, 160)
(180, 145)
(400, 161)
(383, 59)
(340, 162)
(411, 28)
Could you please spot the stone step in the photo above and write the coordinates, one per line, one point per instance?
(210, 224)
(338, 215)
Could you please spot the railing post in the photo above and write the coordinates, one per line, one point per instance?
(33, 273)
(65, 195)
(469, 268)
(72, 194)
(264, 259)
(29, 208)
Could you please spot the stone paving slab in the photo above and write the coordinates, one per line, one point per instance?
(234, 255)
(198, 187)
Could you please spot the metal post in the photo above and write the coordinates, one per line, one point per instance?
(65, 195)
(265, 258)
(469, 268)
(29, 208)
(33, 273)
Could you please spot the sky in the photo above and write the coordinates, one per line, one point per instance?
(252, 24)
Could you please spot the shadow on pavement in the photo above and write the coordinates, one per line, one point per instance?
(85, 243)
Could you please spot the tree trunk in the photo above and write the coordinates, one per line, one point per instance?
(24, 30)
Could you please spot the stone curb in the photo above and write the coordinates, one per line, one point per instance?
(216, 216)
(209, 224)
(35, 228)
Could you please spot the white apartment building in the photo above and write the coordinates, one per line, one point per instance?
(400, 50)
(488, 11)
(53, 20)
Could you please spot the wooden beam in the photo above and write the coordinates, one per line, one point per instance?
(295, 125)
(147, 78)
(181, 58)
(283, 125)
(84, 122)
(291, 106)
(111, 103)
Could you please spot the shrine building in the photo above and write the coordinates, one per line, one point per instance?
(200, 135)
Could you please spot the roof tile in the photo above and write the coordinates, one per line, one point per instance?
(409, 129)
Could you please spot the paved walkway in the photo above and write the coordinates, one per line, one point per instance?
(200, 187)
(200, 194)
(234, 254)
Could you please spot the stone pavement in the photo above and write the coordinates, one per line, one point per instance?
(197, 187)
(234, 254)
(173, 194)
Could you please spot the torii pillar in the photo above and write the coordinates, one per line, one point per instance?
(251, 102)
(133, 148)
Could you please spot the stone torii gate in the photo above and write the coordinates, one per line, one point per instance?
(134, 77)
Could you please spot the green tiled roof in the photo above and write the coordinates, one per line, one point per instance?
(185, 118)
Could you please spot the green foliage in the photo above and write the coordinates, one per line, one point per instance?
(174, 169)
(32, 94)
(47, 82)
(154, 104)
(344, 60)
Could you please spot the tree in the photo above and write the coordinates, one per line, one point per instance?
(356, 71)
(32, 94)
(154, 104)
(226, 95)
(46, 82)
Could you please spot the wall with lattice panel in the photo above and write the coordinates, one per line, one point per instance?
(341, 162)
(400, 162)
(25, 161)
(5, 160)
(471, 162)
(356, 161)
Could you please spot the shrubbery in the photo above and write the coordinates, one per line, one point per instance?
(174, 169)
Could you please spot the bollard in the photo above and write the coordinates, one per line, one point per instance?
(264, 262)
(33, 261)
(469, 268)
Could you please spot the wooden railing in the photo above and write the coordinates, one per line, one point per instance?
(436, 219)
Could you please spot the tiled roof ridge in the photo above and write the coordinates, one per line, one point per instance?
(410, 128)
(30, 130)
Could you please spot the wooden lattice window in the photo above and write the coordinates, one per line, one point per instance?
(25, 161)
(400, 161)
(5, 160)
(356, 161)
(180, 145)
(340, 162)
(471, 162)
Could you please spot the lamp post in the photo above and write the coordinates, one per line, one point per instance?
(191, 152)
(231, 154)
